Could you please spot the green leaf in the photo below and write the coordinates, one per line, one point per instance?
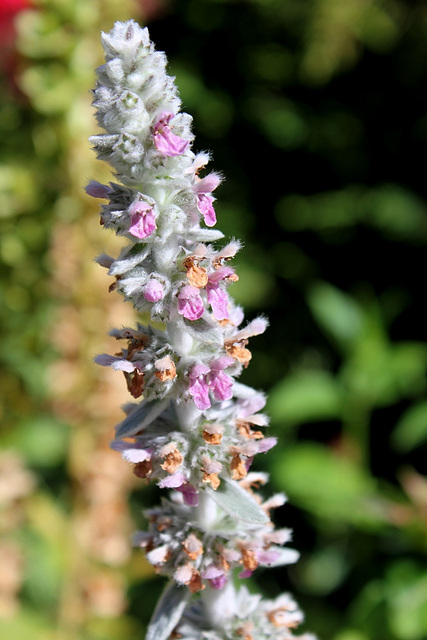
(336, 312)
(328, 486)
(237, 502)
(306, 396)
(27, 624)
(411, 430)
(141, 417)
(407, 597)
(42, 440)
(168, 612)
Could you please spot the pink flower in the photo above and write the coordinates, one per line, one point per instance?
(142, 219)
(266, 444)
(204, 378)
(165, 141)
(190, 495)
(117, 363)
(216, 576)
(153, 290)
(205, 200)
(267, 557)
(218, 583)
(198, 388)
(217, 297)
(190, 304)
(174, 481)
(219, 382)
(131, 452)
(246, 573)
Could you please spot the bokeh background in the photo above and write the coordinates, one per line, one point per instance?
(316, 112)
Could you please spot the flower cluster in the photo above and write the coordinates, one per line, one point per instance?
(195, 429)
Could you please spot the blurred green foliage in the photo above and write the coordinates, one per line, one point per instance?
(316, 113)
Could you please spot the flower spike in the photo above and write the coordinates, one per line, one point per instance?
(194, 430)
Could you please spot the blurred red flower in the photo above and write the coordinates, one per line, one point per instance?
(8, 58)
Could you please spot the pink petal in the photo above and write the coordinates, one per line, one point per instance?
(220, 274)
(236, 316)
(136, 455)
(153, 290)
(199, 391)
(221, 385)
(266, 444)
(117, 363)
(142, 219)
(246, 573)
(190, 304)
(212, 572)
(190, 495)
(221, 363)
(199, 370)
(248, 406)
(131, 452)
(218, 299)
(165, 141)
(208, 183)
(218, 583)
(204, 205)
(267, 557)
(173, 481)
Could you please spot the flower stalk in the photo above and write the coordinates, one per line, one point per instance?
(194, 429)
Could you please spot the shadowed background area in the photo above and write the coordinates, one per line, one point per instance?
(316, 113)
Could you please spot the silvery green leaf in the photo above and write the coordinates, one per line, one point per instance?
(128, 261)
(168, 612)
(141, 417)
(103, 141)
(204, 235)
(203, 330)
(237, 502)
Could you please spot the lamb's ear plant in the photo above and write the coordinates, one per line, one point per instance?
(193, 430)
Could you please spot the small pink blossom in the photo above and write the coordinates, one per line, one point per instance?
(250, 405)
(205, 200)
(131, 452)
(172, 481)
(266, 444)
(219, 382)
(215, 575)
(267, 557)
(165, 141)
(189, 493)
(204, 205)
(218, 583)
(246, 573)
(117, 363)
(198, 388)
(153, 290)
(217, 297)
(142, 219)
(190, 304)
(184, 574)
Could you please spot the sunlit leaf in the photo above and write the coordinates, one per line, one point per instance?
(336, 312)
(305, 396)
(329, 486)
(168, 612)
(237, 502)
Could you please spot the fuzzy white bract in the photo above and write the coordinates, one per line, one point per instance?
(194, 430)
